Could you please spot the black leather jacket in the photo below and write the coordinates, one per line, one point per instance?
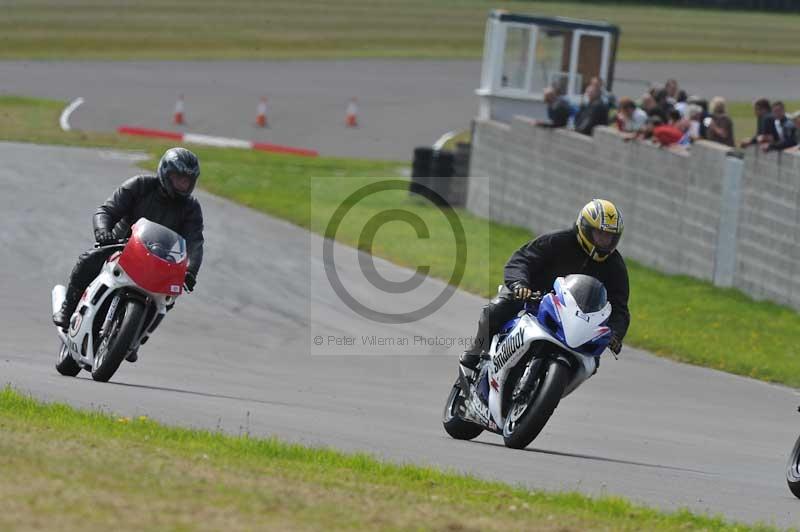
(559, 254)
(143, 197)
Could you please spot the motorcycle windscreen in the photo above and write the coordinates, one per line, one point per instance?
(583, 309)
(588, 292)
(161, 241)
(155, 258)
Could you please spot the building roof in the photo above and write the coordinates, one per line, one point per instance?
(558, 22)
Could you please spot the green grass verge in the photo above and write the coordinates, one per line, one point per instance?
(675, 316)
(252, 29)
(77, 470)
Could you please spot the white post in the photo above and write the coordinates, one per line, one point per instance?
(573, 64)
(729, 205)
(604, 60)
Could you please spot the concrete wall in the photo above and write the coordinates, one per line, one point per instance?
(540, 178)
(767, 236)
(703, 213)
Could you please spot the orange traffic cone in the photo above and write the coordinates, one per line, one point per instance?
(261, 117)
(351, 117)
(177, 117)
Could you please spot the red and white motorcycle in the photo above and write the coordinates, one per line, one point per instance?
(125, 302)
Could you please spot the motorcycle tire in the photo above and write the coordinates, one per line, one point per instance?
(66, 365)
(454, 425)
(793, 470)
(124, 329)
(520, 431)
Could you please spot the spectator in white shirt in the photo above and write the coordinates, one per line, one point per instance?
(630, 118)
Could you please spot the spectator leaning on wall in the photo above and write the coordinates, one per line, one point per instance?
(785, 131)
(593, 113)
(608, 98)
(681, 124)
(705, 117)
(682, 105)
(765, 124)
(671, 89)
(630, 118)
(695, 115)
(670, 133)
(795, 117)
(558, 109)
(720, 125)
(651, 107)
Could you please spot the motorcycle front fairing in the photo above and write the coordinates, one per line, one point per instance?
(506, 354)
(80, 337)
(155, 258)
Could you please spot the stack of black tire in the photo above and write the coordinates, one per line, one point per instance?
(441, 175)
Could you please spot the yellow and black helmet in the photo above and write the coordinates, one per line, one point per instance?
(599, 228)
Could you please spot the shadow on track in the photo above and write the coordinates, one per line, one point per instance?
(197, 394)
(599, 458)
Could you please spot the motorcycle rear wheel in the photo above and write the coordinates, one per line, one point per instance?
(793, 470)
(115, 346)
(453, 423)
(66, 365)
(522, 427)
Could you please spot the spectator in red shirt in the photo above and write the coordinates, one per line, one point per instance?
(660, 133)
(667, 134)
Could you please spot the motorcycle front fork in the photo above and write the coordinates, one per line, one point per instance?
(112, 311)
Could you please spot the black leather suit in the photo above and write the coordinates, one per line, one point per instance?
(141, 197)
(537, 264)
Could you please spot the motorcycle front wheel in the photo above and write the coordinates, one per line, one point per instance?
(793, 470)
(527, 418)
(117, 341)
(452, 420)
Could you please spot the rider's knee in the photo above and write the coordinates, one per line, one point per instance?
(486, 313)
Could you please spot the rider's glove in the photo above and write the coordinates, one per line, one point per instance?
(523, 292)
(103, 236)
(189, 281)
(615, 344)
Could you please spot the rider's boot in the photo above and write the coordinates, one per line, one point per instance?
(471, 358)
(85, 269)
(71, 299)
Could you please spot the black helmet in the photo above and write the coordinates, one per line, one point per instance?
(178, 162)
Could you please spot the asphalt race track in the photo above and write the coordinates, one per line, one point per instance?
(237, 355)
(403, 103)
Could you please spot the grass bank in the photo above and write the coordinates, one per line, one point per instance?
(252, 29)
(75, 470)
(675, 316)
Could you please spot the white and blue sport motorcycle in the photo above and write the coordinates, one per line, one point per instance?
(537, 358)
